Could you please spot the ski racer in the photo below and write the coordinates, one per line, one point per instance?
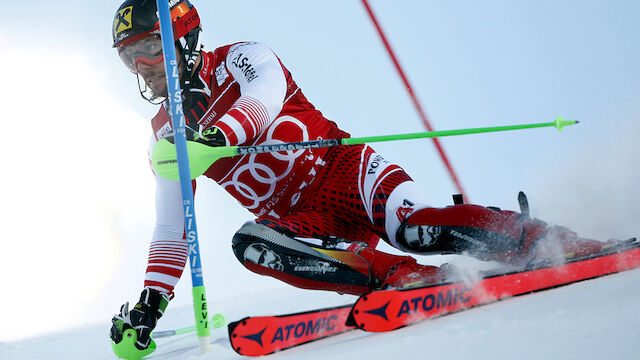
(319, 212)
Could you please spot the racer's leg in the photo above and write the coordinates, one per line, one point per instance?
(350, 204)
(398, 207)
(270, 248)
(489, 234)
(269, 252)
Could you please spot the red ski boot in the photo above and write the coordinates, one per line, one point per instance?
(411, 274)
(394, 271)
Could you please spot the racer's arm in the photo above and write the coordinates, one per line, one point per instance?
(263, 87)
(167, 258)
(168, 252)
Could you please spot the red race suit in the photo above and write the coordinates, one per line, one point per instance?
(244, 90)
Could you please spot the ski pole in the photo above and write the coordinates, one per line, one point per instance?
(217, 321)
(182, 173)
(164, 159)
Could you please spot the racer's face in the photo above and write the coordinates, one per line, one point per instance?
(144, 57)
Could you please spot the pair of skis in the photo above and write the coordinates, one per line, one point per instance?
(387, 310)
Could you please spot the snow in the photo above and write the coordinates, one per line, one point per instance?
(593, 319)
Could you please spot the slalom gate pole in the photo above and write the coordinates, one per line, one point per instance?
(178, 122)
(164, 159)
(414, 98)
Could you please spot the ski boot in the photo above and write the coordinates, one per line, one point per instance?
(411, 274)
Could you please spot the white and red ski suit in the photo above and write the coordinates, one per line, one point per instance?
(348, 193)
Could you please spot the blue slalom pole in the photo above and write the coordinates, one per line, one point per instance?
(178, 120)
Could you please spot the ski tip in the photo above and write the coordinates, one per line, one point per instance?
(234, 324)
(351, 320)
(524, 203)
(630, 241)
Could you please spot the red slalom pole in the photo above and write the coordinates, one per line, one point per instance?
(415, 101)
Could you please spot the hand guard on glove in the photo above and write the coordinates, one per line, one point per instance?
(142, 318)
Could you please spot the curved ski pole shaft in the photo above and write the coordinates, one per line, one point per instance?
(183, 172)
(202, 156)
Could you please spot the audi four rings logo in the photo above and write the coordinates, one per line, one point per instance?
(263, 173)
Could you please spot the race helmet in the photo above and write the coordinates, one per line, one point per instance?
(136, 36)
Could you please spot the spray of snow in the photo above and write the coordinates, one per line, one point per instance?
(594, 190)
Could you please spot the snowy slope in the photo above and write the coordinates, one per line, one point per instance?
(594, 319)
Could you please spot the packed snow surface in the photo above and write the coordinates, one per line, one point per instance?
(593, 319)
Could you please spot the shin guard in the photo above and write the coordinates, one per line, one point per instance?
(268, 252)
(489, 234)
(356, 270)
(479, 231)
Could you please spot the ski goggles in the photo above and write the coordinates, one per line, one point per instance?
(147, 51)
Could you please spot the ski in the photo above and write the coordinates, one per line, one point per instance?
(263, 335)
(387, 310)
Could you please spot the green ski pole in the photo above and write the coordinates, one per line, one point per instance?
(201, 156)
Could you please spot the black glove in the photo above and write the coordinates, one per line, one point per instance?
(142, 318)
(211, 137)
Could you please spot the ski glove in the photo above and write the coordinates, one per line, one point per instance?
(211, 136)
(142, 318)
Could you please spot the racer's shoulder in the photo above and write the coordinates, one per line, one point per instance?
(244, 47)
(161, 123)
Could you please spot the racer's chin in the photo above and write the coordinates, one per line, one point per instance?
(157, 84)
